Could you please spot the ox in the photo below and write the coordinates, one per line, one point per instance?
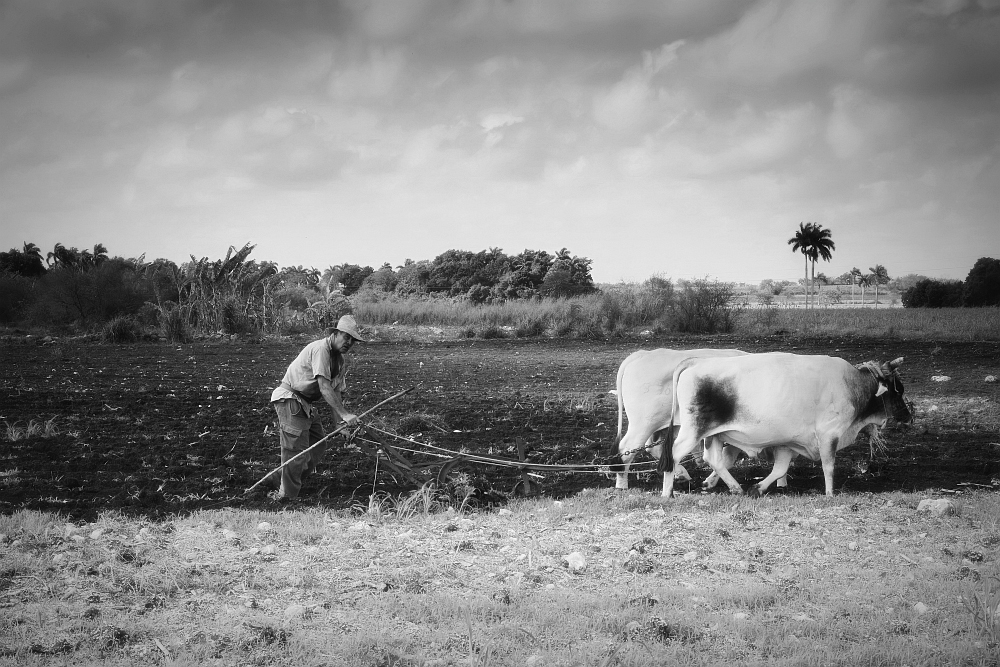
(645, 393)
(808, 405)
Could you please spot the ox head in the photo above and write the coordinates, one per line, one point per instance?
(890, 388)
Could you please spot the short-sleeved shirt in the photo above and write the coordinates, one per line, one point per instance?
(314, 361)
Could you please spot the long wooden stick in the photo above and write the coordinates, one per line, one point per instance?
(324, 438)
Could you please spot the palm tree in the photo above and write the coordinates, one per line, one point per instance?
(864, 281)
(63, 257)
(855, 277)
(802, 242)
(100, 254)
(878, 276)
(814, 242)
(31, 250)
(821, 245)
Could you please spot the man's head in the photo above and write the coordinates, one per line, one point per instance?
(346, 333)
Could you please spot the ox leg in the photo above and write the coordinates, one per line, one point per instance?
(728, 457)
(629, 444)
(684, 444)
(782, 458)
(717, 457)
(827, 456)
(621, 478)
(656, 451)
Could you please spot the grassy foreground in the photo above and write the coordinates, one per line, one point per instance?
(597, 579)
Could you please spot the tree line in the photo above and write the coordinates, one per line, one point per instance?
(237, 294)
(87, 289)
(981, 287)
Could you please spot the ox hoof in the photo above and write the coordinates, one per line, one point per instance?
(755, 492)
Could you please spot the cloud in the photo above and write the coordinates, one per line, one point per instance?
(860, 123)
(12, 71)
(378, 75)
(492, 124)
(630, 102)
(778, 41)
(549, 122)
(495, 121)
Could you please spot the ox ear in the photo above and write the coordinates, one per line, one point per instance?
(881, 389)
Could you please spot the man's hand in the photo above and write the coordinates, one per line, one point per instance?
(333, 397)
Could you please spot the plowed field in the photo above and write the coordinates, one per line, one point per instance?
(160, 428)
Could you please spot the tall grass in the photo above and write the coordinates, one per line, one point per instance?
(613, 312)
(626, 310)
(902, 323)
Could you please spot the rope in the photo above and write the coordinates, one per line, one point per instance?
(503, 463)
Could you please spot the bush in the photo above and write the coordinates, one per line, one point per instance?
(235, 321)
(530, 329)
(91, 295)
(173, 323)
(327, 311)
(930, 293)
(492, 331)
(122, 329)
(703, 306)
(982, 285)
(16, 296)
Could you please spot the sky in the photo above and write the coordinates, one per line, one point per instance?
(683, 139)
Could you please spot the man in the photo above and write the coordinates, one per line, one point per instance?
(317, 373)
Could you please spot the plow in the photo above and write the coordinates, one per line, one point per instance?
(398, 454)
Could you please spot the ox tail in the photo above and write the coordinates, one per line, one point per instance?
(666, 463)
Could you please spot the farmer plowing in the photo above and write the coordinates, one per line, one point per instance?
(317, 373)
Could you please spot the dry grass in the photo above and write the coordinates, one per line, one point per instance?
(628, 310)
(971, 324)
(702, 579)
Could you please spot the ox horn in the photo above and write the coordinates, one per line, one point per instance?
(895, 363)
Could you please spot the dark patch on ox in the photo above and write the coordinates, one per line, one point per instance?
(863, 386)
(714, 404)
(895, 401)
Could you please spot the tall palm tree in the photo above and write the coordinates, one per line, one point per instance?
(879, 276)
(100, 254)
(802, 242)
(821, 246)
(865, 281)
(62, 257)
(855, 277)
(31, 250)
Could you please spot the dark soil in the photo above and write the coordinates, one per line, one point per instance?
(158, 428)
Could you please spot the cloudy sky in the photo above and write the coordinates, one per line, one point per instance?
(685, 138)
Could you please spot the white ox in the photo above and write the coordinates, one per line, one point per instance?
(808, 405)
(645, 393)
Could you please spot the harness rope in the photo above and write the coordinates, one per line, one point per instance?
(507, 463)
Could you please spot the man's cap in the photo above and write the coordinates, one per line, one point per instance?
(350, 327)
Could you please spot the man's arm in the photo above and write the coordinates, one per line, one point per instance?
(332, 396)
